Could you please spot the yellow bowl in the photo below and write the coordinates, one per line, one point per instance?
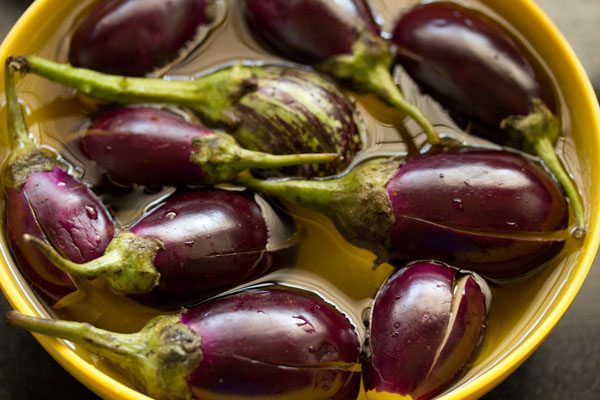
(527, 316)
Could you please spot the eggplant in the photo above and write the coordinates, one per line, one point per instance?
(193, 246)
(340, 38)
(274, 342)
(272, 109)
(494, 212)
(136, 37)
(447, 49)
(172, 151)
(425, 325)
(44, 201)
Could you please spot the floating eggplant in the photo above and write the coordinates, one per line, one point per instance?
(262, 343)
(340, 38)
(193, 246)
(493, 212)
(44, 201)
(425, 325)
(136, 37)
(447, 49)
(171, 151)
(272, 109)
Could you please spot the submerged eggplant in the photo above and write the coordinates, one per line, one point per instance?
(44, 201)
(493, 212)
(262, 343)
(426, 322)
(136, 37)
(272, 109)
(171, 151)
(340, 38)
(193, 246)
(447, 49)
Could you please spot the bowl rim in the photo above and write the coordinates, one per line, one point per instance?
(108, 387)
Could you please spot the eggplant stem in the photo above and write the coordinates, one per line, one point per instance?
(315, 194)
(357, 202)
(76, 332)
(159, 358)
(545, 150)
(222, 158)
(212, 96)
(100, 267)
(367, 69)
(127, 263)
(20, 138)
(384, 87)
(539, 130)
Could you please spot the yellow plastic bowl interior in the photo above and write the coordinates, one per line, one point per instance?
(546, 309)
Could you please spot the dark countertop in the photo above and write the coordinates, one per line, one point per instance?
(567, 365)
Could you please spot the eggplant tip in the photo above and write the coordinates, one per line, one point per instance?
(16, 64)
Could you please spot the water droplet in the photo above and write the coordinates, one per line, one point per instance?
(189, 243)
(457, 203)
(91, 212)
(108, 148)
(170, 215)
(512, 224)
(61, 184)
(397, 325)
(442, 176)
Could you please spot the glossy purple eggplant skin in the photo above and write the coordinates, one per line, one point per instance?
(309, 31)
(470, 64)
(55, 206)
(213, 240)
(160, 140)
(135, 37)
(279, 343)
(468, 208)
(425, 326)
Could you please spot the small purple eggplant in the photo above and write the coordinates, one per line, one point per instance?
(272, 109)
(136, 37)
(447, 49)
(171, 151)
(266, 343)
(44, 201)
(193, 246)
(340, 38)
(493, 212)
(425, 325)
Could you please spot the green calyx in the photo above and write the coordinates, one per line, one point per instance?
(367, 70)
(212, 96)
(159, 358)
(25, 157)
(536, 133)
(127, 263)
(357, 202)
(222, 158)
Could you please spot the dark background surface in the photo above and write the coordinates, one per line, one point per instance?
(566, 366)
